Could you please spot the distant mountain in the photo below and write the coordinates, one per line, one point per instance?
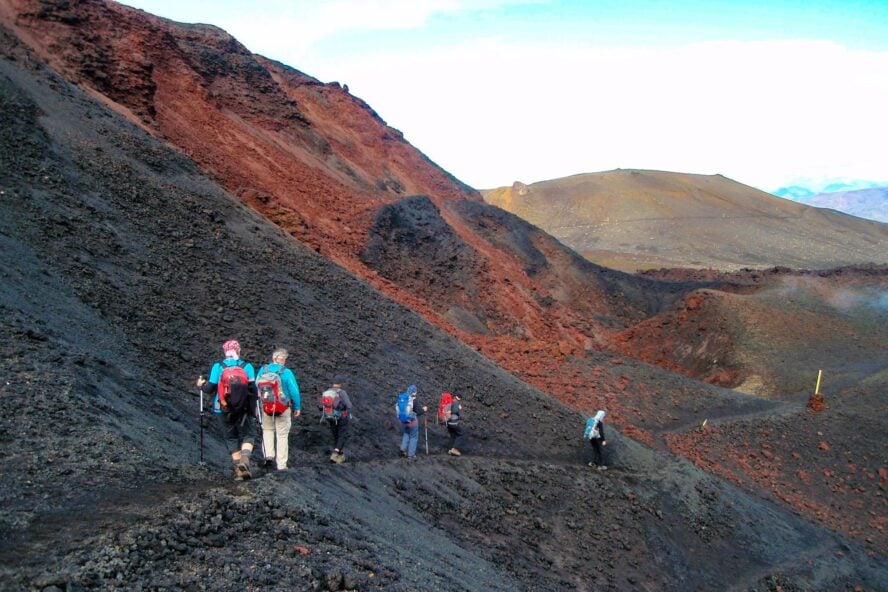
(863, 203)
(802, 188)
(632, 219)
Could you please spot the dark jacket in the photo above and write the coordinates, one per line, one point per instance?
(601, 435)
(455, 413)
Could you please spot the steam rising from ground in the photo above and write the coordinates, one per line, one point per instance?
(846, 299)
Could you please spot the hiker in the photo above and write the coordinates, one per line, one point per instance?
(335, 410)
(278, 394)
(234, 382)
(595, 434)
(451, 413)
(409, 411)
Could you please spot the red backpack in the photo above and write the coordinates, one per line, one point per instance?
(271, 392)
(234, 396)
(444, 407)
(330, 404)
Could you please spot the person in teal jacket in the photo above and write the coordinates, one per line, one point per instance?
(276, 425)
(237, 412)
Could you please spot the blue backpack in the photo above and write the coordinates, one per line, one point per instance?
(591, 429)
(405, 408)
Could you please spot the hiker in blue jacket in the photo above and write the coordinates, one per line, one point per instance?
(409, 410)
(276, 424)
(595, 434)
(234, 382)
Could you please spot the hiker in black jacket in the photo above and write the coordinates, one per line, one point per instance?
(336, 410)
(453, 428)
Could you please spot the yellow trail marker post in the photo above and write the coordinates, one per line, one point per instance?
(816, 401)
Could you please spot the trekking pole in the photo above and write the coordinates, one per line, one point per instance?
(426, 421)
(201, 419)
(259, 419)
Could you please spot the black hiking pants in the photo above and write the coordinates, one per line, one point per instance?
(597, 451)
(339, 430)
(239, 429)
(456, 435)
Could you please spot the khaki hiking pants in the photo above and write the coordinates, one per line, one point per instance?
(275, 437)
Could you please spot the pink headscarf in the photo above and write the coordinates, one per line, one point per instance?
(231, 348)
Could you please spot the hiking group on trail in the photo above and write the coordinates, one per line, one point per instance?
(242, 399)
(272, 398)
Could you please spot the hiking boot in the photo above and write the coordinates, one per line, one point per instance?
(454, 452)
(244, 467)
(403, 452)
(602, 467)
(338, 458)
(267, 463)
(237, 474)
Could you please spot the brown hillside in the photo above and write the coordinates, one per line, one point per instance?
(766, 333)
(631, 220)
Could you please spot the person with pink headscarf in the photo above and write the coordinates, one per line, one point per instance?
(233, 380)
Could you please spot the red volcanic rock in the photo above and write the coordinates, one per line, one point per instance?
(725, 378)
(823, 445)
(638, 434)
(694, 302)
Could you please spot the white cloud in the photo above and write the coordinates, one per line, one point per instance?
(492, 112)
(285, 27)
